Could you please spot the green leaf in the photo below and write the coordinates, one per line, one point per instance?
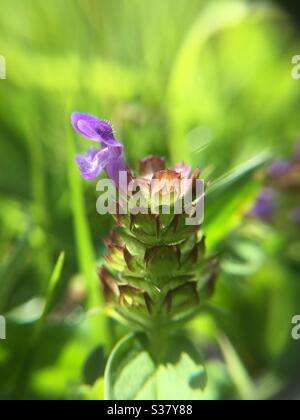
(239, 174)
(11, 265)
(50, 298)
(133, 373)
(30, 353)
(53, 284)
(93, 393)
(229, 197)
(237, 370)
(243, 258)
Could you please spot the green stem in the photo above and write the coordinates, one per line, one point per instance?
(158, 336)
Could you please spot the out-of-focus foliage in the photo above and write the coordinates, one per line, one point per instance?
(210, 84)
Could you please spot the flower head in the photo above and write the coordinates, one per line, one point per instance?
(166, 185)
(109, 156)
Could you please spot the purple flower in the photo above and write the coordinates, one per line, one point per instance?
(279, 168)
(265, 206)
(109, 156)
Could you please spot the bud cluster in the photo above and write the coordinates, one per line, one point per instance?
(156, 270)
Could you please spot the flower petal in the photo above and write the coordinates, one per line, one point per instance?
(116, 164)
(166, 183)
(93, 162)
(183, 169)
(94, 129)
(150, 165)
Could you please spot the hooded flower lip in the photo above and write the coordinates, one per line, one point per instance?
(109, 157)
(94, 129)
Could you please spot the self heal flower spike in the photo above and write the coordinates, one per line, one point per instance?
(156, 274)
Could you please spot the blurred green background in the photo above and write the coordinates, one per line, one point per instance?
(208, 82)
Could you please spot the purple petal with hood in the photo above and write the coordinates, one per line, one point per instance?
(94, 129)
